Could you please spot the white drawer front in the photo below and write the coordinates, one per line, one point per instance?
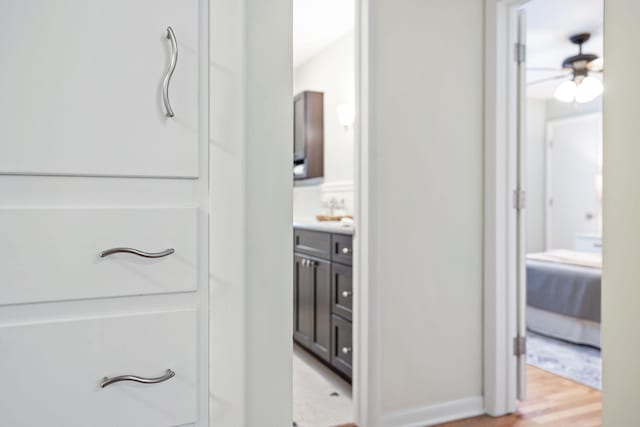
(54, 254)
(51, 372)
(588, 244)
(82, 91)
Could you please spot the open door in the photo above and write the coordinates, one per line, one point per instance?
(519, 204)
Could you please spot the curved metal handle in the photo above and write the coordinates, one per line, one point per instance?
(111, 380)
(133, 251)
(172, 66)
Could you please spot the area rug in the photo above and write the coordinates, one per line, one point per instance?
(580, 363)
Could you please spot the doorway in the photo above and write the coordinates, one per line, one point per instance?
(544, 238)
(326, 321)
(563, 170)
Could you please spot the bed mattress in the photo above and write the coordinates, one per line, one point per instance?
(564, 288)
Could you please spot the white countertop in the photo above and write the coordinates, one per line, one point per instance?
(326, 226)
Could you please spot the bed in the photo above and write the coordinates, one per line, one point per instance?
(564, 295)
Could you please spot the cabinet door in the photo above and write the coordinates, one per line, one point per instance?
(321, 338)
(82, 84)
(302, 302)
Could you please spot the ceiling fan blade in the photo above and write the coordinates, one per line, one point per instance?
(556, 69)
(596, 65)
(548, 79)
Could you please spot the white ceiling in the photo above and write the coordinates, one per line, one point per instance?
(318, 23)
(549, 25)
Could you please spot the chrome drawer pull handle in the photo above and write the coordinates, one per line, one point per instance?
(111, 380)
(172, 66)
(143, 254)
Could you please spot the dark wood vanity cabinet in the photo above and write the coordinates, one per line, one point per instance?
(312, 305)
(308, 135)
(323, 296)
(302, 303)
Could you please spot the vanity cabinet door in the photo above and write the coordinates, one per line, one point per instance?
(302, 302)
(82, 86)
(321, 338)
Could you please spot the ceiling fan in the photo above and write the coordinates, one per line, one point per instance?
(582, 86)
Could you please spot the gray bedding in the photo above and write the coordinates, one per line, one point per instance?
(565, 289)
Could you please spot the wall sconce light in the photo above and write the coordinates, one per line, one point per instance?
(346, 115)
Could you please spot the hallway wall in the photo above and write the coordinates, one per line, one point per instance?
(427, 215)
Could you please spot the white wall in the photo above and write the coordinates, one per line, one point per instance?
(426, 244)
(562, 110)
(536, 174)
(621, 293)
(250, 241)
(331, 71)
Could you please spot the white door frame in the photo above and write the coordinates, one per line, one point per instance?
(361, 383)
(500, 220)
(365, 380)
(365, 370)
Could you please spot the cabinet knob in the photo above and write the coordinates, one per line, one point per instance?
(347, 294)
(308, 263)
(346, 350)
(346, 251)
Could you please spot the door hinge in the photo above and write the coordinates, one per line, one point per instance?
(519, 199)
(520, 346)
(520, 50)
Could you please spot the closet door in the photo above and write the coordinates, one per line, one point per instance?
(99, 98)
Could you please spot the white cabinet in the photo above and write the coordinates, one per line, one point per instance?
(54, 254)
(588, 243)
(82, 83)
(51, 372)
(91, 162)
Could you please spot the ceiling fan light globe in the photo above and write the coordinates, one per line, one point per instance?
(566, 92)
(589, 89)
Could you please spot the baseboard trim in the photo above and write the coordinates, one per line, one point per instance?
(435, 414)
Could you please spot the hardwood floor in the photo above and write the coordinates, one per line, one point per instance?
(552, 402)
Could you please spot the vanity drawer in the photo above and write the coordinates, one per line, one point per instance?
(342, 345)
(63, 389)
(342, 248)
(342, 290)
(314, 243)
(54, 254)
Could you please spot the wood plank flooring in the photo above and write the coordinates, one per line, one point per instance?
(552, 401)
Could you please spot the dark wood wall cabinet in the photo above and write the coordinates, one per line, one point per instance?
(308, 135)
(323, 296)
